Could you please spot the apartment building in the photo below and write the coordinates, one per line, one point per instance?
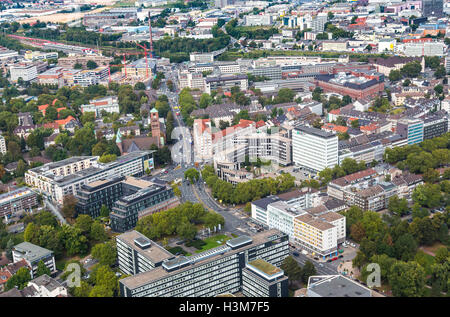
(313, 148)
(210, 273)
(281, 217)
(202, 140)
(33, 254)
(20, 199)
(37, 55)
(110, 104)
(222, 67)
(339, 46)
(425, 49)
(57, 179)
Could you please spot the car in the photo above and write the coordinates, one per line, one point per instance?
(295, 253)
(409, 220)
(320, 264)
(329, 260)
(340, 256)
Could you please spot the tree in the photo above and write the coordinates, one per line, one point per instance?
(431, 176)
(398, 206)
(91, 64)
(9, 247)
(69, 203)
(84, 223)
(427, 195)
(83, 290)
(405, 247)
(192, 174)
(101, 291)
(439, 89)
(42, 269)
(395, 75)
(78, 66)
(104, 211)
(20, 279)
(105, 253)
(97, 232)
(103, 275)
(139, 86)
(291, 269)
(440, 72)
(355, 124)
(308, 270)
(407, 279)
(441, 255)
(187, 231)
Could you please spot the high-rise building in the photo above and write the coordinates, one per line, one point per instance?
(210, 273)
(314, 149)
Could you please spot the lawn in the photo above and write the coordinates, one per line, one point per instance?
(213, 242)
(180, 250)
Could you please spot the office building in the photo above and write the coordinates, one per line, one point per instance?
(412, 129)
(27, 72)
(21, 199)
(314, 149)
(262, 279)
(140, 198)
(425, 49)
(58, 179)
(137, 254)
(34, 254)
(435, 125)
(210, 273)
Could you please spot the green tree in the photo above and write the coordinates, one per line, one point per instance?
(291, 269)
(20, 279)
(97, 232)
(407, 279)
(42, 269)
(308, 270)
(398, 206)
(91, 64)
(104, 211)
(105, 253)
(192, 174)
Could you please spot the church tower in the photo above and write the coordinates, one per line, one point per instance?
(155, 125)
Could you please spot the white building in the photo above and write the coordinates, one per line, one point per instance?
(191, 80)
(34, 254)
(264, 19)
(281, 216)
(45, 286)
(58, 179)
(27, 72)
(2, 144)
(202, 140)
(202, 57)
(314, 149)
(109, 104)
(425, 49)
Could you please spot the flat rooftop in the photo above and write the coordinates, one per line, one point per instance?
(31, 252)
(315, 131)
(144, 278)
(154, 252)
(337, 286)
(265, 267)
